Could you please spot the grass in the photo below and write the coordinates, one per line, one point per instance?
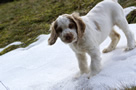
(132, 88)
(127, 3)
(132, 17)
(24, 20)
(21, 21)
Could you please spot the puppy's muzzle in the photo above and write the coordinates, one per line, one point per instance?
(68, 38)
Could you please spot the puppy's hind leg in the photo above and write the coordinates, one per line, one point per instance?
(123, 24)
(115, 37)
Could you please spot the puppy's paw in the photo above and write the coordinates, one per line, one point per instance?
(79, 75)
(106, 50)
(129, 48)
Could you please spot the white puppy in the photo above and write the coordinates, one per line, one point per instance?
(84, 34)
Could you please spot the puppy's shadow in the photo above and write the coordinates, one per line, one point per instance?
(123, 55)
(119, 54)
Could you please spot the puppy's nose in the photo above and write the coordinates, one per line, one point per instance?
(68, 37)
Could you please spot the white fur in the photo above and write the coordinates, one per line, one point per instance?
(99, 24)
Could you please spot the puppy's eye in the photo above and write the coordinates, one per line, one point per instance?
(59, 30)
(71, 25)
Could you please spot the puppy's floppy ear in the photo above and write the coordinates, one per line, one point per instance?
(53, 36)
(80, 24)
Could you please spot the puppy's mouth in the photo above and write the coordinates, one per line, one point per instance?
(69, 39)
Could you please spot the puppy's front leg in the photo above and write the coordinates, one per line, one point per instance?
(95, 65)
(82, 61)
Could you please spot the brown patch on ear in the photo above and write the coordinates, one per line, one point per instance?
(53, 36)
(80, 24)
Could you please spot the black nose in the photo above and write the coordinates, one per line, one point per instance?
(68, 37)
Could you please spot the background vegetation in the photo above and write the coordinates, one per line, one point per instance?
(24, 20)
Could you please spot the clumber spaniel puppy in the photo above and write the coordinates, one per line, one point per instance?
(84, 34)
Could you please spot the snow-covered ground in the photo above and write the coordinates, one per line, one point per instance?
(43, 67)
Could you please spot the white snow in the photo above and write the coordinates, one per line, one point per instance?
(129, 9)
(14, 43)
(43, 67)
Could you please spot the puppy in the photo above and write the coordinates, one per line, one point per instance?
(84, 34)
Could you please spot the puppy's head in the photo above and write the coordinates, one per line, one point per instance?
(69, 28)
